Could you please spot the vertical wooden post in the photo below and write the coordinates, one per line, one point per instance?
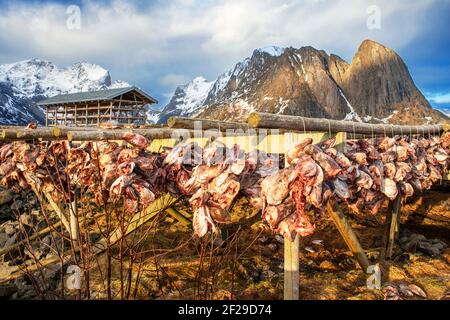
(98, 113)
(393, 226)
(46, 116)
(386, 227)
(110, 111)
(291, 248)
(291, 268)
(76, 116)
(73, 218)
(65, 115)
(86, 114)
(347, 233)
(120, 108)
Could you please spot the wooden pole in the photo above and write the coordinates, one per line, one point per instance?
(51, 133)
(188, 123)
(393, 226)
(277, 121)
(151, 133)
(291, 268)
(347, 233)
(120, 108)
(74, 223)
(46, 116)
(33, 134)
(118, 134)
(98, 113)
(385, 236)
(94, 133)
(291, 261)
(62, 217)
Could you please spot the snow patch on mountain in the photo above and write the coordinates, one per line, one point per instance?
(195, 93)
(352, 115)
(26, 82)
(37, 77)
(220, 83)
(273, 51)
(152, 116)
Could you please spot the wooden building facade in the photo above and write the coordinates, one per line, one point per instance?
(124, 105)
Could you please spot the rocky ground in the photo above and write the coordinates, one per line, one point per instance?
(249, 263)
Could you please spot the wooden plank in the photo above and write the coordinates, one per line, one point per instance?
(160, 204)
(178, 216)
(347, 233)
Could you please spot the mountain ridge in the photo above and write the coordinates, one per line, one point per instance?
(23, 83)
(375, 87)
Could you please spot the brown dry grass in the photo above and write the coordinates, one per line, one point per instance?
(328, 273)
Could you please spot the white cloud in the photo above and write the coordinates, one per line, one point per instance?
(173, 79)
(439, 98)
(125, 33)
(164, 42)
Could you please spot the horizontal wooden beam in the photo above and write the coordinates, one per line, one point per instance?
(295, 123)
(152, 133)
(189, 123)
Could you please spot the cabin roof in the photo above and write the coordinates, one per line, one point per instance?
(108, 94)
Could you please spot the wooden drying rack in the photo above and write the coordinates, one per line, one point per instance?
(256, 134)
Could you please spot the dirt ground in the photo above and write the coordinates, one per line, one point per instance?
(249, 263)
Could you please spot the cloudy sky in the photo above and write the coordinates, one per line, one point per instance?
(160, 44)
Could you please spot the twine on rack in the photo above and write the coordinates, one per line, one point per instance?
(304, 126)
(329, 128)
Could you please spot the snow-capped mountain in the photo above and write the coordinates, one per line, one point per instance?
(187, 99)
(375, 87)
(445, 110)
(24, 83)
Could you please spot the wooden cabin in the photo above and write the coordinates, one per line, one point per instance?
(124, 105)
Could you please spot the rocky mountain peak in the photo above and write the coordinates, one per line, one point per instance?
(378, 83)
(376, 87)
